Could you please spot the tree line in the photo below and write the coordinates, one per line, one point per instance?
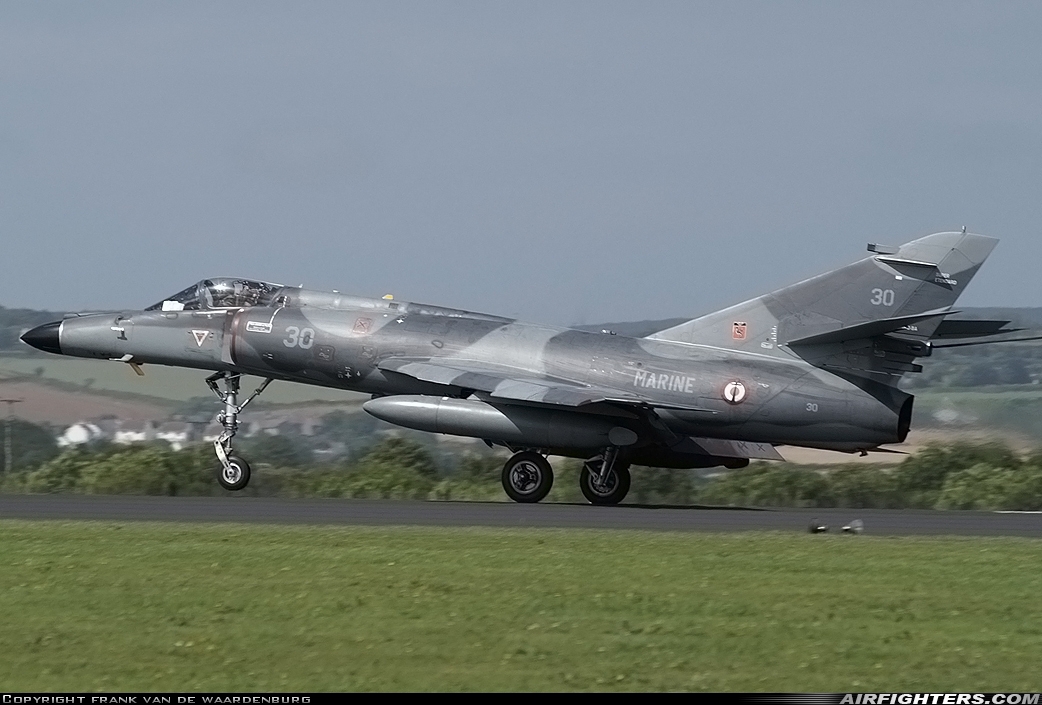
(985, 476)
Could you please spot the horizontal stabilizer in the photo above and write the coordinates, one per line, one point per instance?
(971, 329)
(871, 329)
(987, 342)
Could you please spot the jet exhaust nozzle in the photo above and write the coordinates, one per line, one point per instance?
(516, 425)
(46, 337)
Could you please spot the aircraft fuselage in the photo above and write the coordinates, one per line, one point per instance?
(332, 340)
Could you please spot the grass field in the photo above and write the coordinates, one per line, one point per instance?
(231, 607)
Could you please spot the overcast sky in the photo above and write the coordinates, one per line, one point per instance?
(565, 162)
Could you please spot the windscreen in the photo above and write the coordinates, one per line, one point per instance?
(219, 293)
(184, 300)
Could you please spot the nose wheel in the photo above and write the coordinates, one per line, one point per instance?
(234, 472)
(235, 475)
(527, 477)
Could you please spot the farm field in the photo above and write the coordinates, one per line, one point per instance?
(1014, 411)
(48, 403)
(237, 608)
(166, 383)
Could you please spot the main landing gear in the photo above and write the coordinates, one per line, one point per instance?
(527, 477)
(234, 472)
(604, 479)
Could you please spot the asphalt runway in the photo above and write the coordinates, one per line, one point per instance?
(881, 522)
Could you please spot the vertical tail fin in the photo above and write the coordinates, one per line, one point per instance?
(921, 277)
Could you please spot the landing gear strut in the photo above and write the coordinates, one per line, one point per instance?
(234, 473)
(605, 479)
(527, 477)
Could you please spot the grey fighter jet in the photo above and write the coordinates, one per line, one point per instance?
(815, 364)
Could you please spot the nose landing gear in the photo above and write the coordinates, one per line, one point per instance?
(234, 472)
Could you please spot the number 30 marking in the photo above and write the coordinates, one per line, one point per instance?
(297, 338)
(882, 298)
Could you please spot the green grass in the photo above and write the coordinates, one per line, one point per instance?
(230, 607)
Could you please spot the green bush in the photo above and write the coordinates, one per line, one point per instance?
(278, 451)
(398, 453)
(476, 478)
(986, 487)
(763, 484)
(661, 486)
(152, 470)
(62, 474)
(31, 445)
(863, 487)
(566, 481)
(480, 469)
(381, 480)
(396, 468)
(148, 470)
(919, 479)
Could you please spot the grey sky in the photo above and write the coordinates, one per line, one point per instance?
(561, 162)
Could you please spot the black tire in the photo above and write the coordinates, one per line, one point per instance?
(236, 475)
(618, 482)
(527, 477)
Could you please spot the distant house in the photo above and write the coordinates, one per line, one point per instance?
(80, 433)
(126, 434)
(183, 430)
(177, 433)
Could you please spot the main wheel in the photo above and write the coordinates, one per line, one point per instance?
(615, 486)
(236, 475)
(527, 477)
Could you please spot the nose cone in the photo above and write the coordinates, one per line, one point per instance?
(45, 337)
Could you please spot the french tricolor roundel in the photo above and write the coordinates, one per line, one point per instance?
(734, 392)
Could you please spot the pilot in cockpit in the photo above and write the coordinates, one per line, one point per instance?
(224, 294)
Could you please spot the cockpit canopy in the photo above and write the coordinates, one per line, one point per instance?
(224, 292)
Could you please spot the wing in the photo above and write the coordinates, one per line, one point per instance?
(512, 384)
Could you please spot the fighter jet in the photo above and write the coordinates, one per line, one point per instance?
(815, 364)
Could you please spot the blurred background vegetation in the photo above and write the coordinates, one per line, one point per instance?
(983, 476)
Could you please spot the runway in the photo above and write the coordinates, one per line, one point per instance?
(879, 522)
